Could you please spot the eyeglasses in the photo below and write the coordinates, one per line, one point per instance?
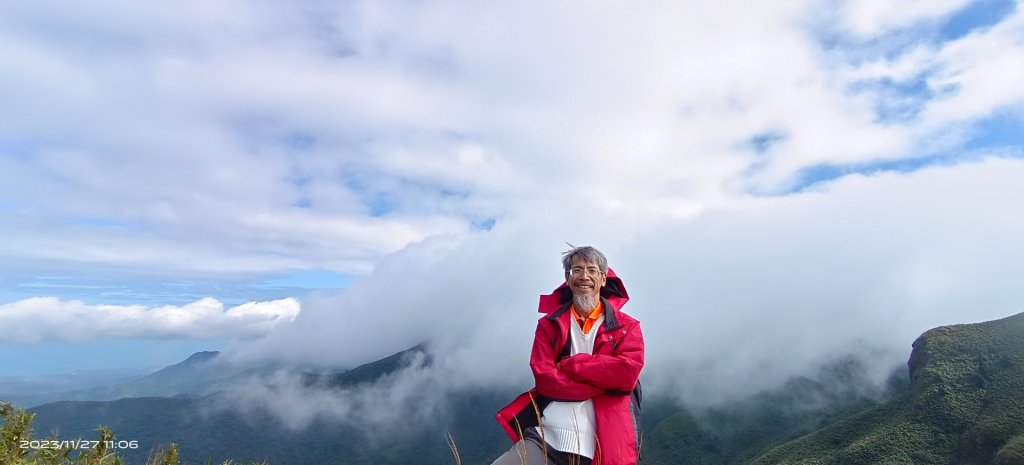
(591, 271)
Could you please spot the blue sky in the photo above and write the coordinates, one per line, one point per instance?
(155, 155)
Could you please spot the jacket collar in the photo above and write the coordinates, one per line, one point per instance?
(610, 320)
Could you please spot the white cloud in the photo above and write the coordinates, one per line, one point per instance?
(980, 74)
(46, 319)
(970, 78)
(876, 17)
(731, 301)
(420, 119)
(406, 399)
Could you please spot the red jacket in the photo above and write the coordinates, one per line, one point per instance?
(609, 376)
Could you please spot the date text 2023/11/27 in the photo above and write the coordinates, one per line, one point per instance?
(74, 444)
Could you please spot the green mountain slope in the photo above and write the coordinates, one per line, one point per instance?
(964, 405)
(743, 429)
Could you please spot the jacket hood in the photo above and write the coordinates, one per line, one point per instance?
(613, 291)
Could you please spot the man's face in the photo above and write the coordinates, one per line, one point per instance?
(585, 278)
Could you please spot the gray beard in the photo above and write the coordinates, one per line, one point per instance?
(584, 303)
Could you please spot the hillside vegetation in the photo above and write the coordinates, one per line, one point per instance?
(964, 405)
(735, 433)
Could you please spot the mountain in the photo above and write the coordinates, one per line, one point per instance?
(199, 374)
(368, 372)
(958, 402)
(964, 405)
(738, 431)
(205, 430)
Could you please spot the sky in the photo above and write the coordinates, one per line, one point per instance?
(326, 183)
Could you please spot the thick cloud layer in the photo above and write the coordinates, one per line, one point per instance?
(731, 301)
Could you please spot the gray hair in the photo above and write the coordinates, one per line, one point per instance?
(587, 253)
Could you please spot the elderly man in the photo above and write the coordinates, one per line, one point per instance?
(586, 361)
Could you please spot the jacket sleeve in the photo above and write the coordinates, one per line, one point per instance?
(551, 380)
(619, 371)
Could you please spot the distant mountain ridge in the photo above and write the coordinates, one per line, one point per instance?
(206, 432)
(369, 372)
(199, 363)
(201, 373)
(39, 389)
(199, 357)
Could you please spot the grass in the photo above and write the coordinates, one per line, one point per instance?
(453, 447)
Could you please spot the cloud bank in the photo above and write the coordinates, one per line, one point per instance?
(51, 319)
(731, 301)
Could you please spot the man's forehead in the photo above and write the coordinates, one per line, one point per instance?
(579, 260)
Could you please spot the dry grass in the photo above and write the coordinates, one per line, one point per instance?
(453, 447)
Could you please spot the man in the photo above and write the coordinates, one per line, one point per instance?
(586, 362)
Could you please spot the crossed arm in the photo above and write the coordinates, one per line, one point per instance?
(584, 376)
